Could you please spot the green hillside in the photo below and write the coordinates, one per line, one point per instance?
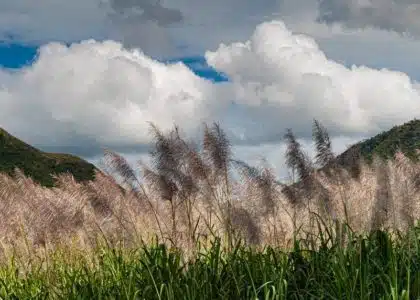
(40, 165)
(405, 137)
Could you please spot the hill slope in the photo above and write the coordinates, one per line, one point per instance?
(40, 165)
(405, 137)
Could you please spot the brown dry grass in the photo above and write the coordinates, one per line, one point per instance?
(189, 195)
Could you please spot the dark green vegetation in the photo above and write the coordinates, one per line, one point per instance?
(365, 267)
(40, 165)
(405, 138)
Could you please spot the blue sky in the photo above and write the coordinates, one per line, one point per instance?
(79, 76)
(16, 56)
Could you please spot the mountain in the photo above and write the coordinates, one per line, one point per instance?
(405, 137)
(39, 165)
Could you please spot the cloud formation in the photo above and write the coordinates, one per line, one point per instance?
(102, 94)
(165, 29)
(402, 16)
(146, 10)
(141, 23)
(58, 20)
(94, 94)
(285, 79)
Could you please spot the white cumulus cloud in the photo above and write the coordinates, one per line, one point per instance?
(103, 93)
(285, 80)
(94, 94)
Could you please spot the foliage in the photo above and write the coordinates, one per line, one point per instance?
(404, 138)
(216, 237)
(376, 266)
(39, 165)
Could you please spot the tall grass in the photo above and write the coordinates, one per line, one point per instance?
(198, 224)
(366, 267)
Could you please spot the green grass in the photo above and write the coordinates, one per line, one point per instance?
(369, 267)
(381, 265)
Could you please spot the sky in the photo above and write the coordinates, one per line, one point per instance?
(79, 76)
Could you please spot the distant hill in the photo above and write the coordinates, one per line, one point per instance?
(39, 165)
(404, 137)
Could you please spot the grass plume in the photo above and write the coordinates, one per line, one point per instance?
(194, 220)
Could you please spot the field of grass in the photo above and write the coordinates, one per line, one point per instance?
(198, 224)
(369, 267)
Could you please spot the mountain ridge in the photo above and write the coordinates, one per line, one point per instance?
(404, 138)
(39, 165)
